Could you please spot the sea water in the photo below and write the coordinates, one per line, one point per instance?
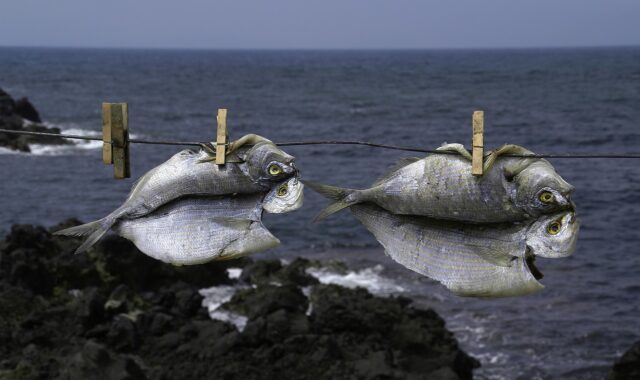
(548, 100)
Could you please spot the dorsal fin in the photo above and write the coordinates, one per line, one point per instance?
(401, 163)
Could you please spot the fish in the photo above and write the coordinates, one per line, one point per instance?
(252, 169)
(441, 186)
(473, 260)
(195, 230)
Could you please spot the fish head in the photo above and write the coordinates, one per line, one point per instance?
(538, 189)
(267, 164)
(553, 235)
(285, 197)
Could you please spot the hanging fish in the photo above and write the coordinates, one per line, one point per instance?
(196, 230)
(472, 260)
(254, 169)
(441, 186)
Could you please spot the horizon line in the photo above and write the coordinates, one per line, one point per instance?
(343, 49)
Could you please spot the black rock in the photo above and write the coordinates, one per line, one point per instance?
(628, 366)
(272, 271)
(7, 104)
(94, 361)
(266, 299)
(13, 115)
(26, 110)
(114, 313)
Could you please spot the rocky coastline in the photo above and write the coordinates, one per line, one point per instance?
(114, 313)
(21, 115)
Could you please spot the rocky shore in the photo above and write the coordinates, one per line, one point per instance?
(114, 313)
(21, 115)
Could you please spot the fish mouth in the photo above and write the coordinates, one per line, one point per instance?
(530, 259)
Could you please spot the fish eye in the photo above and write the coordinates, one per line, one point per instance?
(283, 190)
(546, 197)
(553, 228)
(275, 170)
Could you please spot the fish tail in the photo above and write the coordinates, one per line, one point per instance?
(95, 230)
(341, 197)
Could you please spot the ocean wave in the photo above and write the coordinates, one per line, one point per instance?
(214, 297)
(76, 146)
(368, 278)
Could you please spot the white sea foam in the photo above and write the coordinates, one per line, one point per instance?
(76, 145)
(234, 273)
(368, 278)
(4, 150)
(214, 297)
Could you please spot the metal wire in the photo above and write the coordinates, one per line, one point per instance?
(331, 142)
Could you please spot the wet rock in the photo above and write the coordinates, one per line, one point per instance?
(114, 313)
(26, 110)
(264, 300)
(13, 115)
(7, 104)
(94, 361)
(123, 335)
(273, 272)
(628, 366)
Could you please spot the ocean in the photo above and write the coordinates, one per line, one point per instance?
(548, 100)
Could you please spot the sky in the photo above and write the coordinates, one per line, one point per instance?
(325, 24)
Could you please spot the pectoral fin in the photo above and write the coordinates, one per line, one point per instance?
(501, 259)
(232, 223)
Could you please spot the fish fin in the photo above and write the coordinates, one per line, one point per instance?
(504, 150)
(257, 239)
(401, 163)
(248, 139)
(500, 259)
(457, 148)
(337, 194)
(209, 148)
(230, 222)
(95, 230)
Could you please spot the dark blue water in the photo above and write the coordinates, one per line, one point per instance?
(551, 101)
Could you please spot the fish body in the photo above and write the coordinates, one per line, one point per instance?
(441, 186)
(472, 260)
(190, 173)
(196, 230)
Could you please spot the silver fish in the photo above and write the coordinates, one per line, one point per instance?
(195, 230)
(441, 186)
(472, 260)
(189, 172)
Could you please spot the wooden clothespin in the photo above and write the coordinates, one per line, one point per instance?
(115, 137)
(477, 152)
(221, 141)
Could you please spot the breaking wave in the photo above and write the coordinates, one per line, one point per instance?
(76, 146)
(369, 278)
